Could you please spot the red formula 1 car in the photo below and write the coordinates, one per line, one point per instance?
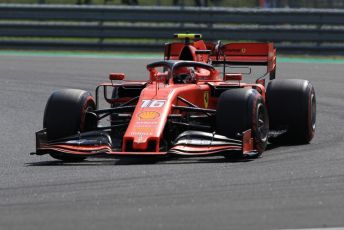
(191, 105)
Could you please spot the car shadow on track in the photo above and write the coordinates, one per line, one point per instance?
(138, 161)
(276, 143)
(61, 163)
(189, 160)
(281, 141)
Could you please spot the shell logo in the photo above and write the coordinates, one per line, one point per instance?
(148, 115)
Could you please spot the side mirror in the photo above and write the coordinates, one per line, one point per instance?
(116, 76)
(261, 81)
(233, 77)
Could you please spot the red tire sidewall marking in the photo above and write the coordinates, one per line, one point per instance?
(89, 101)
(309, 115)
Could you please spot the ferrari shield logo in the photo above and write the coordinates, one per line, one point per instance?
(206, 99)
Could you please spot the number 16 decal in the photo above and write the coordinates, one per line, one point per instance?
(153, 103)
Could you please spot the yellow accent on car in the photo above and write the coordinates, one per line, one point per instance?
(189, 36)
(206, 99)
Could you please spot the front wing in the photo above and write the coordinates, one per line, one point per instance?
(189, 143)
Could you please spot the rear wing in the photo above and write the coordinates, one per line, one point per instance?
(259, 54)
(194, 51)
(173, 50)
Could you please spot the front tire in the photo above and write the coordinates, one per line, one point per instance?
(65, 115)
(239, 110)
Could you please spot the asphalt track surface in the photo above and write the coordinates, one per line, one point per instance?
(289, 187)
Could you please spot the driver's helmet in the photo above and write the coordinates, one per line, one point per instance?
(184, 75)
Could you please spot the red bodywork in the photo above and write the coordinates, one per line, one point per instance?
(160, 96)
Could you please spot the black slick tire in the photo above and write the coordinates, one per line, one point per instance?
(65, 115)
(239, 110)
(292, 106)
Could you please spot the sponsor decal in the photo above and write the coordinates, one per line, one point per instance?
(139, 140)
(140, 134)
(153, 103)
(206, 99)
(148, 115)
(242, 50)
(138, 123)
(143, 129)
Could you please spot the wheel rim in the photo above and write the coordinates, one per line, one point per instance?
(262, 123)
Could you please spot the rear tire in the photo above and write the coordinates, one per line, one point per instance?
(65, 115)
(292, 106)
(239, 110)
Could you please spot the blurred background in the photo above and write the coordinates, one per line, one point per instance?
(219, 3)
(295, 26)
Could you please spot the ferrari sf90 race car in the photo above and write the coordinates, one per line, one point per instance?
(193, 103)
